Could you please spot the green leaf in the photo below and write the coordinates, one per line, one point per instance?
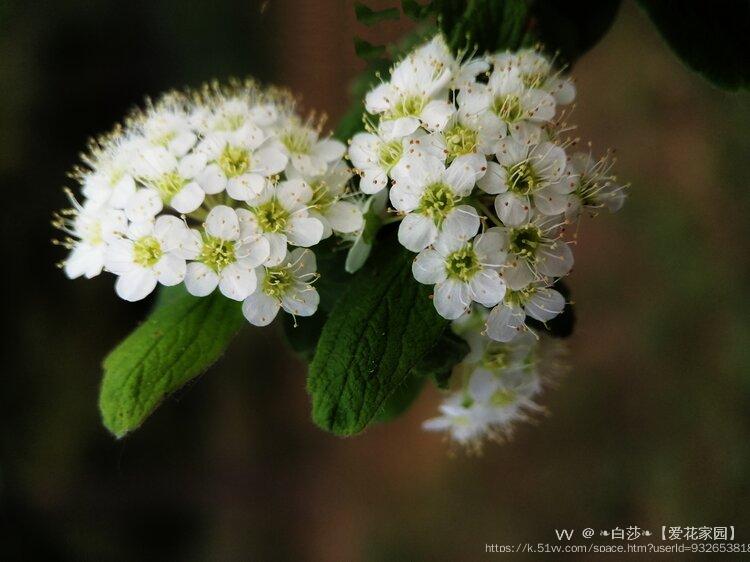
(367, 50)
(415, 10)
(437, 365)
(486, 25)
(712, 38)
(368, 16)
(401, 399)
(179, 341)
(571, 28)
(378, 331)
(303, 333)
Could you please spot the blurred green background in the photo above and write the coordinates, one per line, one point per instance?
(651, 427)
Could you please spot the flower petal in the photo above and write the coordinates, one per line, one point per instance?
(237, 281)
(260, 309)
(416, 232)
(135, 284)
(429, 267)
(200, 280)
(188, 199)
(222, 222)
(451, 298)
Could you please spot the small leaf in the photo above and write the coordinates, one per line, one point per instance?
(367, 51)
(378, 331)
(180, 340)
(712, 38)
(415, 10)
(368, 16)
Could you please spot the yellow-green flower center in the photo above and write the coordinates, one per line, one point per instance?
(230, 122)
(271, 216)
(508, 108)
(462, 264)
(296, 142)
(525, 240)
(521, 178)
(164, 139)
(147, 251)
(460, 140)
(520, 297)
(234, 161)
(533, 79)
(169, 185)
(502, 397)
(217, 253)
(277, 281)
(322, 196)
(437, 201)
(495, 356)
(389, 154)
(408, 106)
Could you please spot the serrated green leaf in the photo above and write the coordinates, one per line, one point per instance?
(437, 364)
(401, 399)
(368, 16)
(711, 38)
(179, 341)
(569, 29)
(377, 332)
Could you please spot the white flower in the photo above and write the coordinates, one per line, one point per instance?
(226, 255)
(167, 181)
(287, 286)
(91, 228)
(109, 180)
(463, 72)
(508, 319)
(376, 156)
(168, 126)
(537, 72)
(238, 114)
(430, 194)
(417, 94)
(517, 109)
(471, 132)
(239, 162)
(520, 173)
(588, 184)
(308, 154)
(536, 250)
(328, 204)
(153, 251)
(462, 271)
(467, 415)
(280, 215)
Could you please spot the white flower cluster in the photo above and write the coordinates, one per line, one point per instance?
(499, 383)
(225, 187)
(471, 154)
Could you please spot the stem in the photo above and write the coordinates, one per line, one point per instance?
(487, 212)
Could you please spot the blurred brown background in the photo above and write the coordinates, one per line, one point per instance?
(650, 428)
